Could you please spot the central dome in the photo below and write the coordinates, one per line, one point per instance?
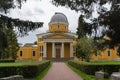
(59, 18)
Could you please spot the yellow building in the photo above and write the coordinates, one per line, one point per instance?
(107, 54)
(57, 43)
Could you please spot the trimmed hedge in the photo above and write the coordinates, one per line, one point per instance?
(28, 71)
(6, 61)
(89, 68)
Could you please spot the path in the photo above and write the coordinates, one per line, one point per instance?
(60, 71)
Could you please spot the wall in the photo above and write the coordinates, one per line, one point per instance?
(27, 53)
(103, 55)
(67, 50)
(49, 50)
(54, 28)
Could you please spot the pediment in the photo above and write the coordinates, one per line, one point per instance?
(58, 36)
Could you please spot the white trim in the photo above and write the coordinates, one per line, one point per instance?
(58, 23)
(65, 33)
(71, 50)
(53, 50)
(57, 40)
(62, 51)
(45, 48)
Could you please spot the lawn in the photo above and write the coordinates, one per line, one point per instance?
(105, 62)
(20, 63)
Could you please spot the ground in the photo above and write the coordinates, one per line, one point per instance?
(60, 71)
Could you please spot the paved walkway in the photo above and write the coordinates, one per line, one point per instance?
(60, 71)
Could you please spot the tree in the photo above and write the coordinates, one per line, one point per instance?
(13, 46)
(35, 42)
(80, 29)
(108, 18)
(85, 48)
(23, 27)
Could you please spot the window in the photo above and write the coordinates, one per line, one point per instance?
(50, 27)
(108, 52)
(65, 27)
(96, 53)
(41, 48)
(41, 54)
(33, 54)
(58, 26)
(20, 53)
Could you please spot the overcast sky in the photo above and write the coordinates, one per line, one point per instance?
(42, 11)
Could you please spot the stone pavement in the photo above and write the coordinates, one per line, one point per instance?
(60, 71)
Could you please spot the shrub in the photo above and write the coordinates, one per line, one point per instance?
(27, 71)
(6, 61)
(92, 68)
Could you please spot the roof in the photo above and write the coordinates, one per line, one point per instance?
(59, 18)
(30, 44)
(64, 33)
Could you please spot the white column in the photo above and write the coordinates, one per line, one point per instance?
(71, 50)
(45, 48)
(53, 50)
(62, 51)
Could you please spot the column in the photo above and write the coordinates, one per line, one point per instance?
(71, 50)
(45, 48)
(53, 50)
(62, 51)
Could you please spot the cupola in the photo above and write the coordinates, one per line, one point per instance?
(58, 23)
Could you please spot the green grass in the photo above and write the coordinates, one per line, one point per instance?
(105, 62)
(42, 74)
(21, 63)
(82, 74)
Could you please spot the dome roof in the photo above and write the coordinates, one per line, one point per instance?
(59, 18)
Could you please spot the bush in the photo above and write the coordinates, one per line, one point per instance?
(89, 68)
(27, 71)
(6, 61)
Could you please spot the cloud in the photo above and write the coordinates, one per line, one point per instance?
(38, 10)
(42, 11)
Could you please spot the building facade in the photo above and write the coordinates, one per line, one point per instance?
(58, 43)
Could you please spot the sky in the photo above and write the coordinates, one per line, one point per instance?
(42, 11)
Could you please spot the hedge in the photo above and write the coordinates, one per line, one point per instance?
(89, 68)
(6, 61)
(28, 71)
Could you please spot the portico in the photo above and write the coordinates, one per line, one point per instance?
(61, 48)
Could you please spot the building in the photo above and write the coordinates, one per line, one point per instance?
(56, 43)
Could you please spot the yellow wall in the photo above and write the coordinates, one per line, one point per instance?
(49, 50)
(54, 28)
(103, 55)
(27, 53)
(67, 50)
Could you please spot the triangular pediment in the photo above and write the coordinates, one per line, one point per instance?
(58, 36)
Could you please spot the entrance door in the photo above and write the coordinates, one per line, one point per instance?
(58, 53)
